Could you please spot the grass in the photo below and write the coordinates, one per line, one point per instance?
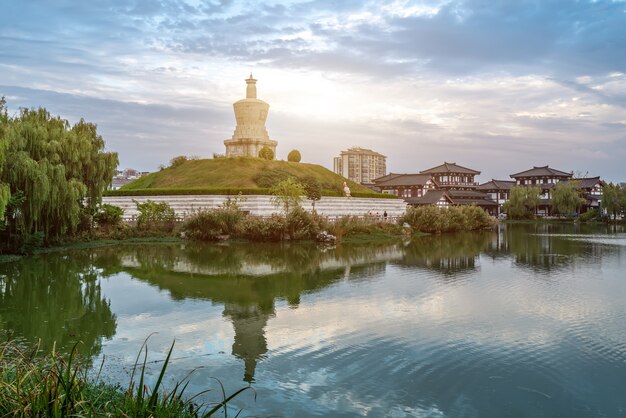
(58, 386)
(237, 172)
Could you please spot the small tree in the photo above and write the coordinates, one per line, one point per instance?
(294, 156)
(287, 194)
(312, 189)
(155, 216)
(266, 153)
(566, 198)
(611, 200)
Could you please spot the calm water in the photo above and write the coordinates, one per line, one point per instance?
(527, 321)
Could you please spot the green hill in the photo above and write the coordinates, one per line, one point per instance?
(239, 172)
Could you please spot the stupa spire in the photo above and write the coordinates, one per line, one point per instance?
(251, 88)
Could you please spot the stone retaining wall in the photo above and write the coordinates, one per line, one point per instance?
(262, 205)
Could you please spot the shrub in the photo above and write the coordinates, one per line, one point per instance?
(266, 153)
(294, 156)
(155, 216)
(264, 229)
(270, 178)
(177, 161)
(108, 215)
(590, 215)
(431, 219)
(300, 224)
(209, 225)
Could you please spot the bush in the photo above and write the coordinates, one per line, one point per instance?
(209, 225)
(589, 216)
(270, 178)
(266, 153)
(294, 156)
(300, 224)
(177, 161)
(108, 215)
(264, 229)
(155, 216)
(431, 219)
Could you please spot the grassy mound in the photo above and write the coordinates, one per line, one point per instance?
(241, 172)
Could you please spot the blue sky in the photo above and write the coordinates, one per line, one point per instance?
(498, 86)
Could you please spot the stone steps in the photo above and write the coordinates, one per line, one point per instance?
(259, 205)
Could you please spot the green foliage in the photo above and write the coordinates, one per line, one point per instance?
(270, 229)
(108, 215)
(312, 188)
(59, 386)
(566, 198)
(270, 178)
(227, 191)
(287, 194)
(188, 192)
(431, 219)
(294, 156)
(614, 200)
(266, 153)
(590, 216)
(155, 216)
(523, 202)
(59, 169)
(178, 161)
(210, 225)
(300, 224)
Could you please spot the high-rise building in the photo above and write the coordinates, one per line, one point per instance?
(360, 165)
(250, 133)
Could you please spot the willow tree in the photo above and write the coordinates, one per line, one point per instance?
(61, 170)
(523, 202)
(5, 194)
(566, 197)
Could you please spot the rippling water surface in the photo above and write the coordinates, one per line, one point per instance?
(525, 321)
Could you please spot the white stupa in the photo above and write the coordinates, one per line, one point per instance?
(250, 133)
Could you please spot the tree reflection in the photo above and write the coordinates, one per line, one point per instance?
(446, 253)
(247, 278)
(57, 299)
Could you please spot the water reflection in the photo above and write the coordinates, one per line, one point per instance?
(246, 279)
(345, 323)
(56, 299)
(446, 254)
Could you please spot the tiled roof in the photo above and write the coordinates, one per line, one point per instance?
(405, 180)
(477, 202)
(497, 185)
(386, 177)
(450, 168)
(541, 171)
(430, 198)
(467, 194)
(587, 182)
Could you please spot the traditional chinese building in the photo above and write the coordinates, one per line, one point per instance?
(498, 190)
(250, 134)
(453, 176)
(405, 185)
(545, 178)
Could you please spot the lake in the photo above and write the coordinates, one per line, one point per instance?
(527, 320)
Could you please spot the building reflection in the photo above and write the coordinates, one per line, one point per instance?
(249, 279)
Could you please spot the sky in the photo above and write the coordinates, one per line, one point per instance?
(497, 86)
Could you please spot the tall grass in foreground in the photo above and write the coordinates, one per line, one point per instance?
(58, 386)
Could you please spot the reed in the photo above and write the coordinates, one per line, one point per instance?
(58, 386)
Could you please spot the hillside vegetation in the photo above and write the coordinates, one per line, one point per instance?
(241, 172)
